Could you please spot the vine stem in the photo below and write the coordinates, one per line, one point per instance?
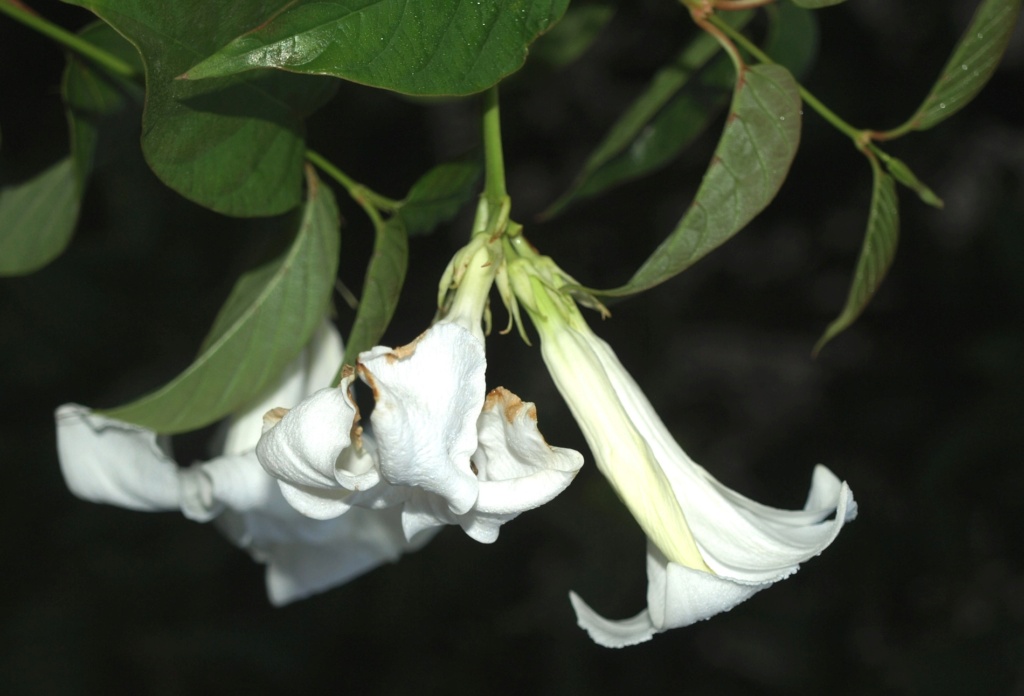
(370, 201)
(22, 13)
(494, 157)
(861, 138)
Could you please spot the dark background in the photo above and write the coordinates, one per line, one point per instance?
(919, 406)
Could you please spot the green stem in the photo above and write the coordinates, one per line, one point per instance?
(369, 200)
(23, 14)
(494, 158)
(812, 101)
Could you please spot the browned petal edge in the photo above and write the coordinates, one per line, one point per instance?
(273, 417)
(406, 351)
(368, 379)
(356, 431)
(512, 404)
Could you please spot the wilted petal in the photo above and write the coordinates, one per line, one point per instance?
(310, 450)
(314, 368)
(518, 470)
(428, 397)
(109, 461)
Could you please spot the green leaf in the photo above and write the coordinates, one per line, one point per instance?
(573, 35)
(971, 65)
(423, 47)
(876, 254)
(816, 4)
(235, 145)
(751, 161)
(660, 123)
(439, 195)
(92, 96)
(435, 198)
(793, 38)
(385, 276)
(37, 219)
(269, 317)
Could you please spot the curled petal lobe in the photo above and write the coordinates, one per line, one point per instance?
(517, 469)
(109, 461)
(678, 596)
(428, 397)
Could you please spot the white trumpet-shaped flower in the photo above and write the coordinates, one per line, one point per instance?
(442, 449)
(709, 548)
(109, 461)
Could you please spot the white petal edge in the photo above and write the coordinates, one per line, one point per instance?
(109, 461)
(428, 397)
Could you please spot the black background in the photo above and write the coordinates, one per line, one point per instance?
(919, 406)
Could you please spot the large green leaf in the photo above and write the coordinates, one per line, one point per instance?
(751, 161)
(270, 315)
(661, 122)
(876, 254)
(236, 144)
(971, 65)
(37, 219)
(438, 47)
(92, 96)
(435, 198)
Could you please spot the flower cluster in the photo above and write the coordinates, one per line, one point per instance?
(321, 499)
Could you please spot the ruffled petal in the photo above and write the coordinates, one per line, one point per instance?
(109, 461)
(304, 448)
(313, 369)
(518, 470)
(428, 397)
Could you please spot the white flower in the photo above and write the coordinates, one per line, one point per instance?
(709, 548)
(109, 461)
(442, 450)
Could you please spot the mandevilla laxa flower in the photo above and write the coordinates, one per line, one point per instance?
(709, 548)
(109, 461)
(443, 450)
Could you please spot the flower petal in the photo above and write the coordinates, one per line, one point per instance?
(677, 596)
(314, 368)
(518, 470)
(109, 461)
(304, 449)
(352, 545)
(428, 397)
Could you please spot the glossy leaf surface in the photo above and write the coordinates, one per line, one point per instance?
(876, 254)
(268, 318)
(751, 161)
(440, 47)
(235, 145)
